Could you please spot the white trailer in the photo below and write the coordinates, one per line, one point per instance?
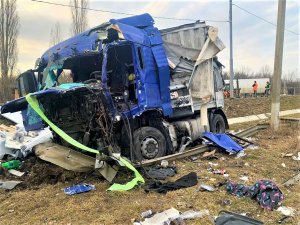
(245, 85)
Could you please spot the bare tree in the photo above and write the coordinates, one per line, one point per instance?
(265, 72)
(79, 16)
(55, 34)
(9, 30)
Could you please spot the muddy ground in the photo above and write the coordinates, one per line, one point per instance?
(40, 198)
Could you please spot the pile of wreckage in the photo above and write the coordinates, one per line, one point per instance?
(16, 144)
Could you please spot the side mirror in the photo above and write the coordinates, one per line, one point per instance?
(27, 83)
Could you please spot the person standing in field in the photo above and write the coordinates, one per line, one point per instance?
(254, 87)
(267, 89)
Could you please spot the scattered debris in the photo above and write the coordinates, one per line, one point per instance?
(9, 185)
(7, 129)
(240, 154)
(147, 214)
(80, 188)
(297, 158)
(188, 180)
(283, 165)
(209, 155)
(286, 211)
(213, 164)
(172, 216)
(265, 192)
(223, 141)
(216, 171)
(252, 147)
(283, 219)
(287, 154)
(230, 218)
(161, 173)
(225, 202)
(292, 181)
(16, 172)
(194, 158)
(205, 187)
(164, 163)
(191, 214)
(13, 164)
(184, 143)
(244, 178)
(162, 218)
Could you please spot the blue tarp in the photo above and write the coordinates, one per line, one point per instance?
(223, 141)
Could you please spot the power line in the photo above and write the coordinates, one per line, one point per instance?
(245, 10)
(124, 13)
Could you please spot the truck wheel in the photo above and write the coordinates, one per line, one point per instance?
(149, 143)
(218, 124)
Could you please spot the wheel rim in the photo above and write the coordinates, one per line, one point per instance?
(149, 147)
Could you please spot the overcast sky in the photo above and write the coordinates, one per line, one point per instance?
(253, 39)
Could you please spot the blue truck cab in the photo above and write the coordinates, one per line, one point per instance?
(131, 86)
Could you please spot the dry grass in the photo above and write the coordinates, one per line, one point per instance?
(47, 204)
(253, 106)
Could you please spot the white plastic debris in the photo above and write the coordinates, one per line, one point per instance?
(9, 184)
(42, 137)
(240, 154)
(164, 163)
(252, 147)
(286, 211)
(191, 214)
(297, 158)
(283, 165)
(162, 218)
(26, 141)
(15, 117)
(4, 150)
(244, 178)
(213, 164)
(16, 172)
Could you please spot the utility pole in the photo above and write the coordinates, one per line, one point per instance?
(231, 52)
(276, 81)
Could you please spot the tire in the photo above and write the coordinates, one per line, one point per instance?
(218, 124)
(148, 143)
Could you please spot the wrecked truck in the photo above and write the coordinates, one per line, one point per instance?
(144, 92)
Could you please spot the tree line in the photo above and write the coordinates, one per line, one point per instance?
(9, 31)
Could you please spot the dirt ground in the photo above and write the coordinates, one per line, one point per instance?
(252, 106)
(40, 198)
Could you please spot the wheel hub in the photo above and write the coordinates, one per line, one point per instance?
(149, 147)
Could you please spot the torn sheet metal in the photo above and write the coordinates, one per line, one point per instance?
(15, 117)
(72, 160)
(64, 157)
(201, 81)
(9, 185)
(184, 41)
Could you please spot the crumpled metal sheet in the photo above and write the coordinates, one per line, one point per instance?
(9, 185)
(70, 159)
